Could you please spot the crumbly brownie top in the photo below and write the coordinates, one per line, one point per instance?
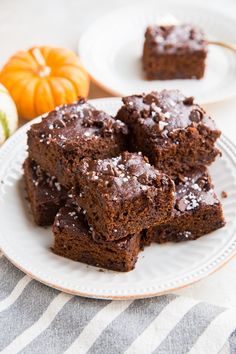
(126, 175)
(176, 39)
(165, 111)
(194, 190)
(70, 123)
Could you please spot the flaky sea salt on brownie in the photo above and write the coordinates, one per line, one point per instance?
(73, 239)
(174, 52)
(70, 133)
(123, 195)
(197, 211)
(172, 130)
(46, 195)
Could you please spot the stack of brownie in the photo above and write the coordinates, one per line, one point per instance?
(111, 186)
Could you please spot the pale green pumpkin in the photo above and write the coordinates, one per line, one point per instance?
(8, 115)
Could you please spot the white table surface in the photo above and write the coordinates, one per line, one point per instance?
(60, 22)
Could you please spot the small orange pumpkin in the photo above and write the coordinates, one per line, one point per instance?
(44, 77)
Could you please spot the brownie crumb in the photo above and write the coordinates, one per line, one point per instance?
(224, 194)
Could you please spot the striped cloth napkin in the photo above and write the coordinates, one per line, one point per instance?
(37, 319)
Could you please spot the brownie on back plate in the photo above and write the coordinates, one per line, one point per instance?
(197, 211)
(73, 239)
(123, 195)
(70, 133)
(174, 52)
(175, 133)
(46, 195)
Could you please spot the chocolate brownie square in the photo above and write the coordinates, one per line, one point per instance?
(175, 133)
(197, 211)
(73, 239)
(174, 52)
(70, 133)
(123, 195)
(46, 195)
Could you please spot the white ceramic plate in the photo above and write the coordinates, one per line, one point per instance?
(111, 50)
(160, 268)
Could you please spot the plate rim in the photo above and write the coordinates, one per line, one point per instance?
(116, 297)
(111, 90)
(228, 252)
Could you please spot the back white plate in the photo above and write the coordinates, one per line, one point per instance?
(111, 50)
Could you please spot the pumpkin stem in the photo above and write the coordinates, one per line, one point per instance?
(43, 69)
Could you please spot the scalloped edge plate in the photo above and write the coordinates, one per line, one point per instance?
(160, 268)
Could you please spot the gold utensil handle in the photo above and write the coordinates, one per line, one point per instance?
(224, 44)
